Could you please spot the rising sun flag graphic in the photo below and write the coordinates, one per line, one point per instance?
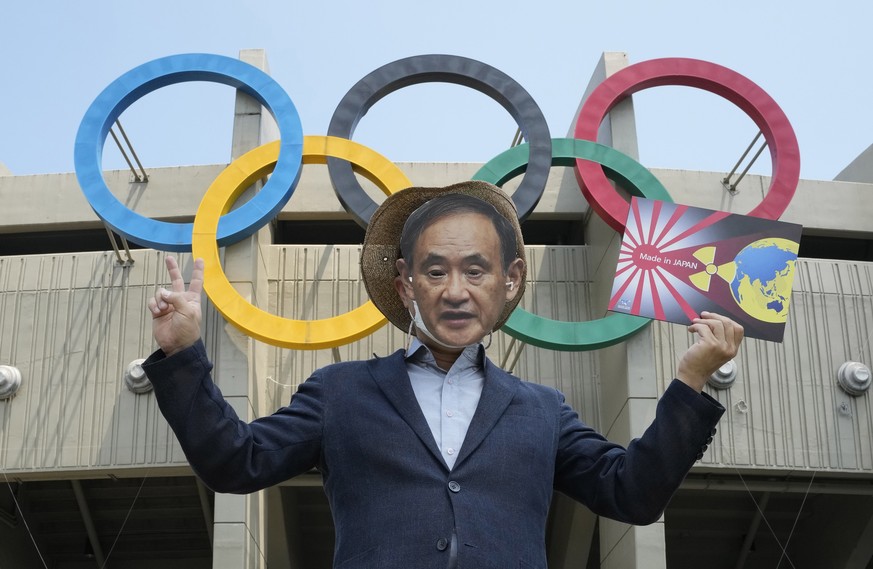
(676, 261)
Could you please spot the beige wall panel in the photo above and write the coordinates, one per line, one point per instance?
(822, 208)
(72, 324)
(786, 410)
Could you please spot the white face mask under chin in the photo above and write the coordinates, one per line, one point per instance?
(419, 323)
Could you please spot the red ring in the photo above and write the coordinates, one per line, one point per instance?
(758, 105)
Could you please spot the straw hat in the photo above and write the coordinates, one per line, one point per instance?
(381, 247)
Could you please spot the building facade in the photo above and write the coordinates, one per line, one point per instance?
(95, 477)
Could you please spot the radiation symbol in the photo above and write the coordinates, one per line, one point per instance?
(701, 280)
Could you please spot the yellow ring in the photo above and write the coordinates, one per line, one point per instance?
(223, 192)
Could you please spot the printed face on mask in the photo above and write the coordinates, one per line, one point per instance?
(457, 288)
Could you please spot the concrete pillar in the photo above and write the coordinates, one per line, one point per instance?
(572, 534)
(239, 360)
(629, 390)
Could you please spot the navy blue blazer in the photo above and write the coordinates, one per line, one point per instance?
(394, 501)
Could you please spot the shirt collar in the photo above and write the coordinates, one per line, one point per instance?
(473, 355)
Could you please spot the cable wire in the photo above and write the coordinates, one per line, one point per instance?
(26, 526)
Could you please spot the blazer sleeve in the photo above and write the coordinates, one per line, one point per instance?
(634, 485)
(228, 454)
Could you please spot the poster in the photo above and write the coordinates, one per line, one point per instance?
(677, 261)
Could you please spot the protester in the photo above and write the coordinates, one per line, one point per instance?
(433, 456)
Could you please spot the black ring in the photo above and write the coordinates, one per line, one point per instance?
(441, 69)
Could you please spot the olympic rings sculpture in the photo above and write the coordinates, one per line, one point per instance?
(215, 225)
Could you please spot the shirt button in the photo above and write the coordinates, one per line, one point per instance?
(450, 451)
(454, 487)
(449, 414)
(442, 544)
(451, 381)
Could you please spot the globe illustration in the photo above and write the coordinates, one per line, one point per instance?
(763, 279)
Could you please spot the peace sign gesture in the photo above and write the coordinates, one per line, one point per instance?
(176, 314)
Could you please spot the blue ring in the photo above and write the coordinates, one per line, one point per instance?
(148, 77)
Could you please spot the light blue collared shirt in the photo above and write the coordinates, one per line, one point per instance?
(447, 399)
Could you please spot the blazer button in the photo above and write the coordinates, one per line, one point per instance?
(454, 486)
(442, 544)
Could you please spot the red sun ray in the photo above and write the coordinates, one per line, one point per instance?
(677, 213)
(683, 304)
(715, 217)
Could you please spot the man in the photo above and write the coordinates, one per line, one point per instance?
(433, 456)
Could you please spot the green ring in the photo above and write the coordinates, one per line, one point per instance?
(620, 168)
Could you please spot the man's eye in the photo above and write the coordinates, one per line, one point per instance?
(475, 273)
(435, 274)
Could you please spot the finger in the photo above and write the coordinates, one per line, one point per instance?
(718, 328)
(196, 285)
(703, 331)
(733, 335)
(733, 332)
(739, 332)
(718, 324)
(158, 300)
(724, 334)
(177, 284)
(175, 301)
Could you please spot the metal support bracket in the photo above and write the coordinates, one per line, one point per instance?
(124, 262)
(517, 139)
(508, 352)
(140, 176)
(731, 187)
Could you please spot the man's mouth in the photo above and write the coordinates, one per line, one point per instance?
(455, 316)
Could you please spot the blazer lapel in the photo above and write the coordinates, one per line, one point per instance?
(497, 392)
(390, 375)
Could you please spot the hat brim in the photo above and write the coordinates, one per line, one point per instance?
(381, 247)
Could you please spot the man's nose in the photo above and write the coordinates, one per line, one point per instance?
(456, 287)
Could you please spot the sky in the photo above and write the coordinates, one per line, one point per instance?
(812, 58)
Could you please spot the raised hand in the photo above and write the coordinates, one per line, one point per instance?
(176, 313)
(718, 342)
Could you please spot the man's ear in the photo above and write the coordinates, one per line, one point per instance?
(513, 275)
(403, 283)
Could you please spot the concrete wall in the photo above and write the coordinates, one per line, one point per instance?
(786, 411)
(72, 323)
(63, 206)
